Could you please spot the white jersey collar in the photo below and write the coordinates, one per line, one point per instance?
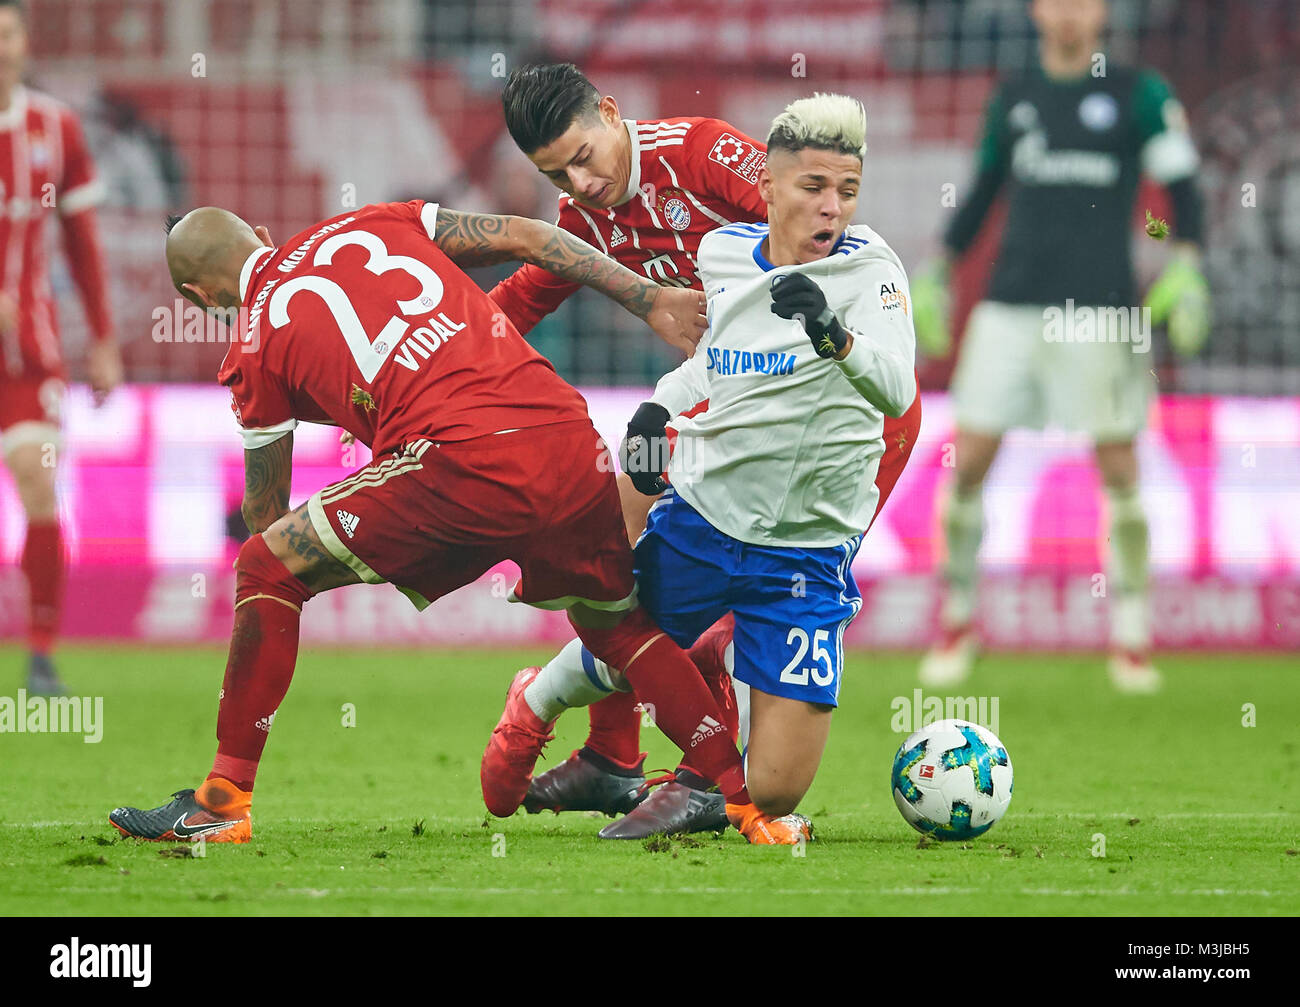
(762, 262)
(246, 273)
(633, 176)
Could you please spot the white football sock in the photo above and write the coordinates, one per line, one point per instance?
(963, 528)
(742, 694)
(566, 682)
(1130, 618)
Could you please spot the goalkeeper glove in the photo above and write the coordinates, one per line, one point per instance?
(1180, 297)
(645, 450)
(930, 309)
(795, 295)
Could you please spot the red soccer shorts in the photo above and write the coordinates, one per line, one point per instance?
(30, 410)
(431, 517)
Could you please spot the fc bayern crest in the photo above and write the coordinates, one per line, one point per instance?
(677, 213)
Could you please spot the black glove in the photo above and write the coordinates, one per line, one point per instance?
(644, 452)
(795, 295)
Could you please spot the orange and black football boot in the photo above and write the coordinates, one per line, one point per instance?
(218, 812)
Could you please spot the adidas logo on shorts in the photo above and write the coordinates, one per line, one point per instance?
(264, 723)
(348, 522)
(707, 729)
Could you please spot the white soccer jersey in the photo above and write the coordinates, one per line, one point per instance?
(787, 452)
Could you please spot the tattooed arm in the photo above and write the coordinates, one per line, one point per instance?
(481, 239)
(266, 483)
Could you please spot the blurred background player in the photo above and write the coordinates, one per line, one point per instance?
(1068, 141)
(645, 192)
(44, 167)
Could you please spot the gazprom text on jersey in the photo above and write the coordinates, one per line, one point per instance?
(729, 361)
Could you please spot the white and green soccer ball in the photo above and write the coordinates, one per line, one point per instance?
(952, 780)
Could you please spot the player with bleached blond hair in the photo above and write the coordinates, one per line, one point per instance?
(646, 192)
(769, 491)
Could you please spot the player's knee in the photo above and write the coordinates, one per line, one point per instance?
(255, 564)
(775, 798)
(1117, 464)
(259, 572)
(969, 472)
(973, 457)
(969, 486)
(34, 483)
(776, 789)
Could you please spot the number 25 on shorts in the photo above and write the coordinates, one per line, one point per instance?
(822, 671)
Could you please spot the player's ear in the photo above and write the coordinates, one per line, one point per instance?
(198, 295)
(264, 236)
(609, 110)
(766, 189)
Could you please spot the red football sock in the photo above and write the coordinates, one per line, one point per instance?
(709, 655)
(263, 651)
(43, 563)
(666, 680)
(615, 731)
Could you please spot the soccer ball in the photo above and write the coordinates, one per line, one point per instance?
(952, 780)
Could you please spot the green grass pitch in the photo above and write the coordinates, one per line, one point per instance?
(1199, 812)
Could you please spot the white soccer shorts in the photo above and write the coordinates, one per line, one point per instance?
(1076, 367)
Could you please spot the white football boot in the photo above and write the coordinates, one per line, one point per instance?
(1131, 672)
(951, 660)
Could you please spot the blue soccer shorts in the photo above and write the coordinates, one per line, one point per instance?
(791, 604)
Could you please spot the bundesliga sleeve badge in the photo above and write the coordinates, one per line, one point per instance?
(738, 156)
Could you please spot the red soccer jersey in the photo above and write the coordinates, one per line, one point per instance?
(688, 177)
(362, 322)
(44, 167)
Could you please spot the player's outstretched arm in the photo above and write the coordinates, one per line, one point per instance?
(266, 483)
(479, 239)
